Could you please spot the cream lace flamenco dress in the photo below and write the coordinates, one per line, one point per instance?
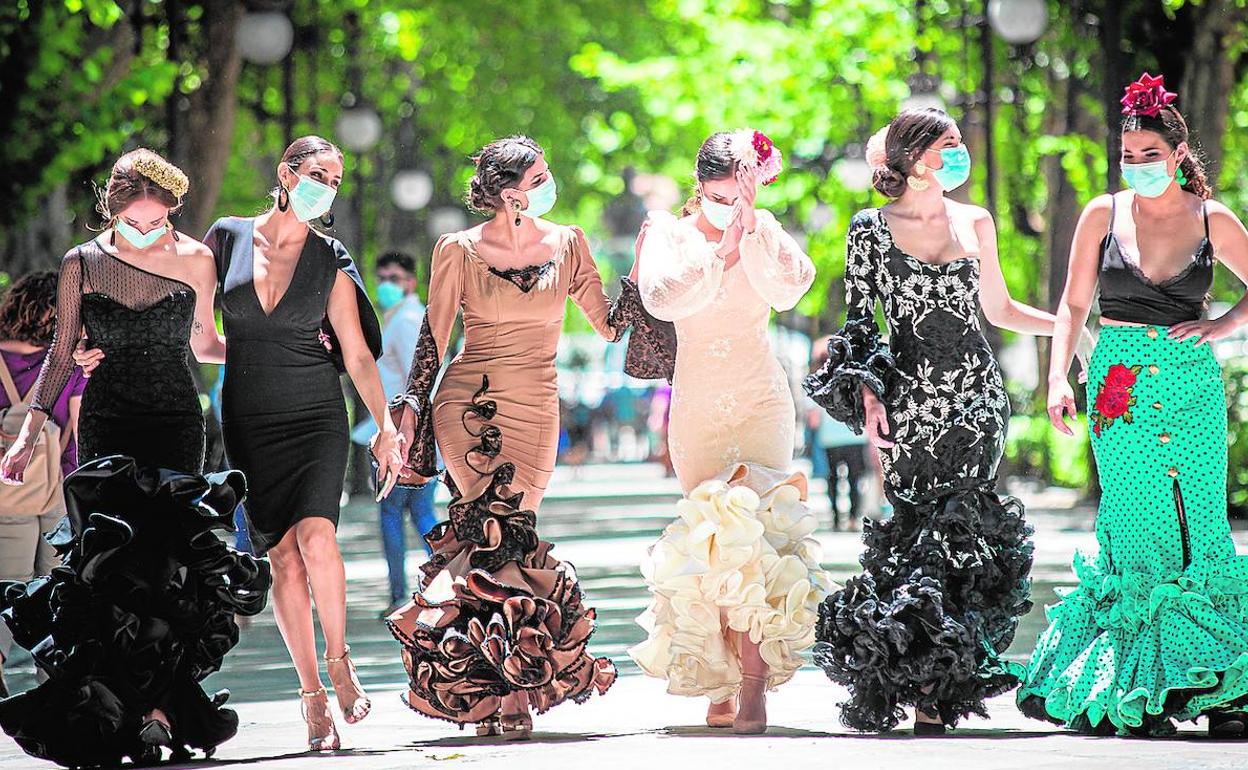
(740, 556)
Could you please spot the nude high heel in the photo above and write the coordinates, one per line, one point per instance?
(354, 703)
(322, 733)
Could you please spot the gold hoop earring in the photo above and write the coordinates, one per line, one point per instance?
(915, 180)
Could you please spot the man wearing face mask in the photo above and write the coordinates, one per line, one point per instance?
(404, 316)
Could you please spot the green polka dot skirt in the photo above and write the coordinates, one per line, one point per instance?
(1158, 626)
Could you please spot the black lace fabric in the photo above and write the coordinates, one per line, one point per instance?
(651, 353)
(140, 611)
(141, 401)
(422, 455)
(945, 580)
(525, 278)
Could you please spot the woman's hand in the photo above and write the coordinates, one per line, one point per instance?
(730, 240)
(1061, 405)
(747, 182)
(87, 359)
(386, 446)
(1083, 352)
(13, 465)
(1203, 331)
(876, 419)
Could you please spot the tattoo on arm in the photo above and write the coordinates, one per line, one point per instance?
(198, 328)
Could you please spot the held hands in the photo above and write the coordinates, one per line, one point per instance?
(387, 448)
(876, 423)
(1061, 405)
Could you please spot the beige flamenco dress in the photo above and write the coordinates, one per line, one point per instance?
(740, 556)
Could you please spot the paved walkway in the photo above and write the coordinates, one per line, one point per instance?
(603, 519)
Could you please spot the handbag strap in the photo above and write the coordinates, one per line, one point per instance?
(10, 387)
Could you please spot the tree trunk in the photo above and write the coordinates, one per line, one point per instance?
(210, 118)
(1210, 75)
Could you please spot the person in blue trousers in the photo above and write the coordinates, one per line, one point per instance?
(404, 317)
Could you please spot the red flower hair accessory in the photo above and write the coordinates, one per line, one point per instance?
(1147, 96)
(754, 150)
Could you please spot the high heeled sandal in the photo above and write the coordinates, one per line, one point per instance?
(516, 727)
(322, 732)
(154, 735)
(490, 726)
(346, 684)
(751, 726)
(1226, 724)
(721, 719)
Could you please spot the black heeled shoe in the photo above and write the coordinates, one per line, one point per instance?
(929, 729)
(1225, 724)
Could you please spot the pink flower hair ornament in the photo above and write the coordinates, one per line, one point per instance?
(754, 151)
(1147, 96)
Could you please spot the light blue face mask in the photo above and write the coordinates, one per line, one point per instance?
(718, 214)
(310, 199)
(541, 199)
(1149, 180)
(137, 239)
(955, 167)
(389, 294)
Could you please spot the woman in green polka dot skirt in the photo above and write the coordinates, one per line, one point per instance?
(1157, 629)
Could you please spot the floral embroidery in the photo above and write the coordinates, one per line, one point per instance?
(1115, 399)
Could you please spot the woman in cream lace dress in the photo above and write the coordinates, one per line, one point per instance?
(735, 579)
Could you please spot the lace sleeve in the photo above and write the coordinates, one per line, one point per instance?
(59, 363)
(856, 355)
(776, 266)
(679, 273)
(586, 291)
(446, 284)
(651, 352)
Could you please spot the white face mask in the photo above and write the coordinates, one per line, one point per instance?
(311, 199)
(718, 214)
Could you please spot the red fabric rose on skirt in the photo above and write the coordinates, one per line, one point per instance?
(1119, 377)
(1113, 402)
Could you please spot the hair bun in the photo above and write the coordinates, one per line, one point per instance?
(889, 181)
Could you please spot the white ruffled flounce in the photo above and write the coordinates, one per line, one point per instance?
(740, 556)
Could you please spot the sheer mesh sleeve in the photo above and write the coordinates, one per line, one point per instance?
(856, 355)
(59, 363)
(776, 266)
(678, 274)
(446, 285)
(586, 291)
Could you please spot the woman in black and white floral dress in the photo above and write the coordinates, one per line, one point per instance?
(945, 579)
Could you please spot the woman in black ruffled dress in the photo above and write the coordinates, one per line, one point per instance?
(945, 579)
(142, 607)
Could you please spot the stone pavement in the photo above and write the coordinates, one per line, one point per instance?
(603, 518)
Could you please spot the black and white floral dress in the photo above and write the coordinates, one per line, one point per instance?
(946, 578)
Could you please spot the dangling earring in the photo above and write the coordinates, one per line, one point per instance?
(112, 238)
(327, 220)
(283, 199)
(916, 180)
(516, 205)
(1179, 176)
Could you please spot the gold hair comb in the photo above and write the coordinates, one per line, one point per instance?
(163, 173)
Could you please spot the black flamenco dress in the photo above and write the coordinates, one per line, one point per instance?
(142, 607)
(945, 579)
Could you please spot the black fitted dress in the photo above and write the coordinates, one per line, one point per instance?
(142, 607)
(283, 414)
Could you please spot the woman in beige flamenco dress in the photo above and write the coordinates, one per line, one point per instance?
(735, 579)
(499, 627)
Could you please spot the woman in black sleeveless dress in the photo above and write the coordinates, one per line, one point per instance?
(284, 418)
(143, 607)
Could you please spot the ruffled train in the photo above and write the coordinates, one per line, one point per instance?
(944, 584)
(139, 612)
(1131, 650)
(496, 614)
(740, 556)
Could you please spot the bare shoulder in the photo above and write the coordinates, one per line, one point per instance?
(1098, 210)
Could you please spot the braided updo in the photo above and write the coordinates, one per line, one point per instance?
(500, 164)
(904, 140)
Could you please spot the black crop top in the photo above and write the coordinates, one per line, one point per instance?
(1127, 294)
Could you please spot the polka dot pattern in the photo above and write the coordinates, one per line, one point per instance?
(1158, 626)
